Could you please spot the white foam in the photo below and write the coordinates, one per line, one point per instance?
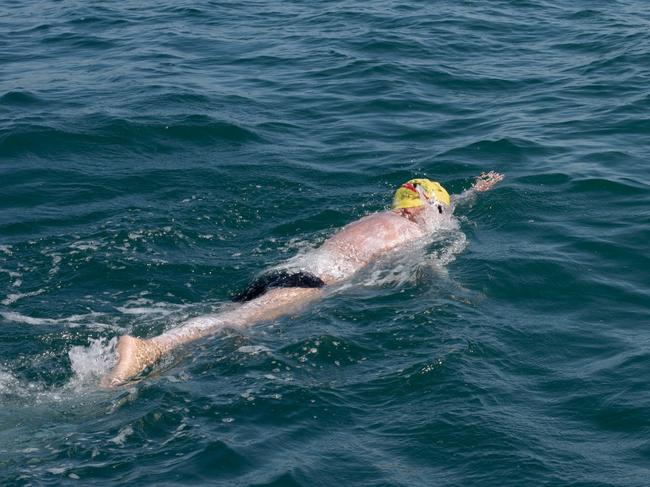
(396, 274)
(434, 222)
(8, 382)
(122, 435)
(56, 260)
(321, 262)
(88, 320)
(144, 310)
(88, 364)
(92, 362)
(12, 274)
(13, 297)
(455, 244)
(85, 245)
(57, 470)
(144, 307)
(253, 349)
(11, 385)
(20, 318)
(144, 233)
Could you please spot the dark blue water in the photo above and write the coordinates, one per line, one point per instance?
(155, 156)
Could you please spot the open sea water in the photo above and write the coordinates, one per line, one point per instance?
(156, 156)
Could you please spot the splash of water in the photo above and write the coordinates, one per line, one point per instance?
(88, 364)
(91, 362)
(8, 383)
(442, 242)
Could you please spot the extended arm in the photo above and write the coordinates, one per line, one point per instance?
(483, 182)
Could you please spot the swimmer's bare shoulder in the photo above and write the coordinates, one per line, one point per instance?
(382, 230)
(360, 242)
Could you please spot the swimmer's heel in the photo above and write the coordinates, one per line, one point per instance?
(133, 357)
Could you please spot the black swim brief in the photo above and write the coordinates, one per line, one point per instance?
(278, 278)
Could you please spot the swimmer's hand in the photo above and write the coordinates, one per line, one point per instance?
(486, 180)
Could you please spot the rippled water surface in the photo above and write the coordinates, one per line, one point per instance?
(155, 156)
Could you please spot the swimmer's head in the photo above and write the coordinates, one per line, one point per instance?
(417, 192)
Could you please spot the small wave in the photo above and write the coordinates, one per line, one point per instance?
(390, 44)
(194, 128)
(514, 147)
(97, 21)
(183, 100)
(546, 179)
(79, 41)
(20, 98)
(625, 187)
(584, 14)
(186, 11)
(136, 134)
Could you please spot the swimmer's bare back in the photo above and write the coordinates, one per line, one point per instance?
(354, 246)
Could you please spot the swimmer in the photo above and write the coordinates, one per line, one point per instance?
(284, 291)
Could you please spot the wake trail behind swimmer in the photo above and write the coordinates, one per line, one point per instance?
(418, 206)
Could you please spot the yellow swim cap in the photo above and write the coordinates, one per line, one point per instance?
(408, 196)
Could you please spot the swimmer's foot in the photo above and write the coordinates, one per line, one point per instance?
(133, 356)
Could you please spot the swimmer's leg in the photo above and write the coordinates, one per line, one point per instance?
(134, 355)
